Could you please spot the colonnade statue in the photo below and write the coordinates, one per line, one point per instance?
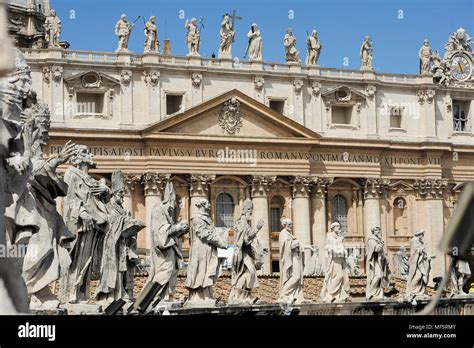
(377, 267)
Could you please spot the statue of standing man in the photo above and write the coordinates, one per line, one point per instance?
(193, 37)
(425, 55)
(203, 268)
(151, 36)
(377, 267)
(366, 54)
(314, 49)
(123, 29)
(52, 29)
(291, 53)
(227, 34)
(248, 258)
(254, 47)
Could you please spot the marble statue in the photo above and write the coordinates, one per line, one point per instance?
(118, 257)
(420, 267)
(227, 36)
(247, 259)
(352, 262)
(291, 266)
(425, 55)
(365, 54)
(254, 47)
(460, 274)
(291, 52)
(193, 37)
(203, 267)
(123, 30)
(86, 216)
(52, 29)
(461, 40)
(166, 235)
(313, 48)
(152, 44)
(377, 267)
(15, 89)
(336, 279)
(400, 261)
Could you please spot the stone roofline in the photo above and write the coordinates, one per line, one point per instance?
(192, 63)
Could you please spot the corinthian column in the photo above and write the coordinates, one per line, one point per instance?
(130, 181)
(154, 184)
(373, 189)
(430, 194)
(198, 188)
(319, 214)
(260, 187)
(300, 186)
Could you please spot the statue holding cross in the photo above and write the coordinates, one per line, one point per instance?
(227, 34)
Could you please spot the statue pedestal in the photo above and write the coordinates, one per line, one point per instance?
(256, 65)
(151, 57)
(225, 62)
(295, 67)
(55, 52)
(425, 79)
(83, 308)
(368, 74)
(314, 70)
(124, 57)
(194, 60)
(225, 55)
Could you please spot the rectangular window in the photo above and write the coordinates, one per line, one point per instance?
(275, 216)
(341, 114)
(277, 105)
(174, 103)
(90, 103)
(460, 116)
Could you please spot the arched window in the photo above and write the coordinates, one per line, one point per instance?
(339, 211)
(400, 218)
(224, 210)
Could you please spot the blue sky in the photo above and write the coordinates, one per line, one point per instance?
(397, 27)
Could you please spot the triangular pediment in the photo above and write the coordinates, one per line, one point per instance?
(232, 115)
(92, 79)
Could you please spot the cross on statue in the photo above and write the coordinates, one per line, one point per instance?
(234, 17)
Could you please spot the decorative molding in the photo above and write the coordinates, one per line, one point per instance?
(374, 187)
(430, 188)
(261, 184)
(259, 82)
(125, 77)
(152, 77)
(315, 88)
(57, 73)
(371, 90)
(230, 117)
(154, 183)
(425, 95)
(46, 74)
(297, 86)
(301, 185)
(199, 184)
(320, 186)
(196, 79)
(130, 181)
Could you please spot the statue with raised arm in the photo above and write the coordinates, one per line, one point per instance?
(247, 259)
(152, 44)
(336, 279)
(420, 267)
(400, 261)
(291, 52)
(123, 30)
(227, 34)
(426, 58)
(377, 267)
(291, 266)
(365, 54)
(254, 47)
(86, 216)
(52, 29)
(116, 253)
(166, 251)
(313, 48)
(193, 37)
(203, 268)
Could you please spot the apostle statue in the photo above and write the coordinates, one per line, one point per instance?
(193, 37)
(365, 54)
(425, 55)
(152, 44)
(203, 268)
(227, 34)
(352, 262)
(15, 90)
(291, 266)
(460, 274)
(336, 279)
(123, 30)
(52, 29)
(377, 267)
(254, 47)
(116, 253)
(86, 215)
(247, 259)
(313, 48)
(291, 53)
(166, 235)
(400, 261)
(420, 267)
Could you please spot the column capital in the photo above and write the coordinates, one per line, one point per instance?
(261, 184)
(155, 183)
(130, 180)
(374, 187)
(320, 186)
(430, 188)
(199, 184)
(301, 185)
